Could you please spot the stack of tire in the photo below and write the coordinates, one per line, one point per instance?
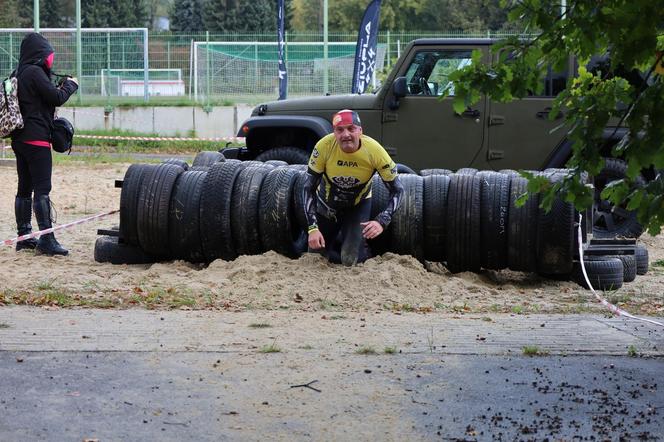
(226, 208)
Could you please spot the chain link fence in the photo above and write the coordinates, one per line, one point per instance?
(125, 66)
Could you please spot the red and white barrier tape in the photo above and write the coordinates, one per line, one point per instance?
(9, 242)
(121, 138)
(613, 308)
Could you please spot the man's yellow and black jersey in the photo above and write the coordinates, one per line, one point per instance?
(347, 176)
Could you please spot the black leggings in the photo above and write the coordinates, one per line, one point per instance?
(343, 236)
(34, 165)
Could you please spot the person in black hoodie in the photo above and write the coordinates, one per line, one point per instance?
(38, 98)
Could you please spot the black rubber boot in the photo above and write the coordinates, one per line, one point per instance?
(47, 244)
(23, 212)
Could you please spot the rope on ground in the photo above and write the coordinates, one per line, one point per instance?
(121, 138)
(613, 308)
(9, 242)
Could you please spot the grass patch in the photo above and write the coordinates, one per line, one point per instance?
(390, 350)
(517, 309)
(487, 319)
(631, 351)
(366, 350)
(272, 348)
(658, 263)
(259, 325)
(619, 298)
(3, 325)
(306, 347)
(336, 317)
(533, 350)
(326, 304)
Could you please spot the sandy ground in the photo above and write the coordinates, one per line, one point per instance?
(270, 281)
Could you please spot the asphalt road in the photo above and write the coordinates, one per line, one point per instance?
(145, 375)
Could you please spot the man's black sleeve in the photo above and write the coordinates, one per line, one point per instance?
(396, 191)
(310, 185)
(54, 96)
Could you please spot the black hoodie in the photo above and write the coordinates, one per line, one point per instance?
(37, 96)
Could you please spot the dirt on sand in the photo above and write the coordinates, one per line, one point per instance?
(270, 281)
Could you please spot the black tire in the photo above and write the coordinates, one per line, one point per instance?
(216, 234)
(629, 266)
(434, 215)
(610, 221)
(407, 232)
(402, 168)
(129, 197)
(427, 172)
(463, 221)
(603, 272)
(494, 212)
(522, 228)
(276, 163)
(184, 228)
(199, 168)
(109, 249)
(208, 158)
(555, 234)
(380, 196)
(467, 171)
(153, 209)
(244, 210)
(298, 199)
(177, 161)
(291, 155)
(641, 256)
(277, 225)
(509, 172)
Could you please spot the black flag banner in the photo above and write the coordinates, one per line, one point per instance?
(283, 73)
(366, 50)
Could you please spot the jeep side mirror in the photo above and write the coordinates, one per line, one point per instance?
(399, 89)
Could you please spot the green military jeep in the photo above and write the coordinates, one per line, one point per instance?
(407, 116)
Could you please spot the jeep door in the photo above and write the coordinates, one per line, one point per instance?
(521, 135)
(423, 131)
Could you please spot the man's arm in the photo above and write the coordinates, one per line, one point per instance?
(396, 191)
(310, 185)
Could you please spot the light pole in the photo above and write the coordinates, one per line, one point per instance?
(35, 15)
(325, 77)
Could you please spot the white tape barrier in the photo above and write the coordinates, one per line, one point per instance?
(613, 308)
(9, 242)
(112, 137)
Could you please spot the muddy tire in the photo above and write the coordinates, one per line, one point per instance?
(184, 229)
(467, 171)
(291, 155)
(380, 197)
(555, 235)
(611, 221)
(109, 249)
(278, 228)
(522, 233)
(216, 234)
(208, 158)
(434, 215)
(403, 169)
(463, 222)
(494, 212)
(178, 162)
(131, 188)
(427, 172)
(153, 209)
(604, 273)
(641, 256)
(629, 266)
(244, 210)
(407, 232)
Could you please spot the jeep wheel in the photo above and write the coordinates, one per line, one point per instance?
(612, 221)
(291, 155)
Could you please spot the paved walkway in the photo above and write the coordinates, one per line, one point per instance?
(198, 375)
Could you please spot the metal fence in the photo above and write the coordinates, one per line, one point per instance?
(134, 65)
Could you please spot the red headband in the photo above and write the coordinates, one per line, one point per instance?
(346, 117)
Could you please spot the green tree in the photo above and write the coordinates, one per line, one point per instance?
(240, 15)
(187, 16)
(114, 13)
(631, 93)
